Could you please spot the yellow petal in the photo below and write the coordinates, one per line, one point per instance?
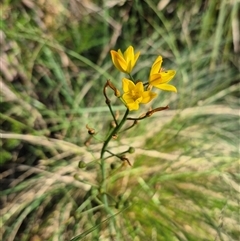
(124, 62)
(155, 79)
(148, 96)
(120, 53)
(136, 58)
(166, 87)
(127, 85)
(168, 75)
(130, 102)
(162, 77)
(127, 98)
(118, 61)
(129, 67)
(130, 58)
(156, 67)
(139, 87)
(133, 106)
(129, 54)
(158, 59)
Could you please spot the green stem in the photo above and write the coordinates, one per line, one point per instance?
(114, 131)
(113, 115)
(103, 166)
(131, 78)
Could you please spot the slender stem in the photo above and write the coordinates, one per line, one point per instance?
(133, 124)
(103, 166)
(113, 115)
(117, 155)
(108, 102)
(114, 131)
(131, 78)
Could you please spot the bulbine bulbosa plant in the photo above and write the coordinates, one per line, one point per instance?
(133, 94)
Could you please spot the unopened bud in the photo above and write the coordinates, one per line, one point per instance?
(113, 124)
(91, 131)
(131, 150)
(113, 166)
(116, 91)
(82, 164)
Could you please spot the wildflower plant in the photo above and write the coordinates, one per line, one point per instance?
(133, 94)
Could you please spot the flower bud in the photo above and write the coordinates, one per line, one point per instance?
(91, 131)
(131, 150)
(82, 164)
(113, 166)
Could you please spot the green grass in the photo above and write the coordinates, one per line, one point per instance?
(184, 182)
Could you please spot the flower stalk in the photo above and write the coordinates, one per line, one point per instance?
(113, 133)
(133, 95)
(108, 101)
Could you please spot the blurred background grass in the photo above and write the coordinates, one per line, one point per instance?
(184, 183)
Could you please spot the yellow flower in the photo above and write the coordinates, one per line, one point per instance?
(124, 62)
(134, 94)
(159, 78)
